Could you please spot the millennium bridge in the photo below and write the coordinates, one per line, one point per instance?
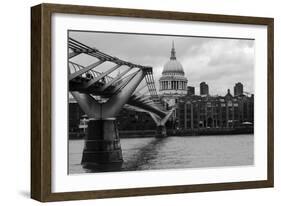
(102, 93)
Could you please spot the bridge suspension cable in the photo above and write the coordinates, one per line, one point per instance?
(104, 84)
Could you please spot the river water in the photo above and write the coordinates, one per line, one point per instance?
(176, 152)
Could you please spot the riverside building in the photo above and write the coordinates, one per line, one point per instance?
(204, 112)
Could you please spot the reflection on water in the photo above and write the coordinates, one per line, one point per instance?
(139, 157)
(175, 152)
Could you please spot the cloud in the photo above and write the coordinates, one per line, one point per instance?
(218, 61)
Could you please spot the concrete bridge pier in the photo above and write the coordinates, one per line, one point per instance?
(102, 150)
(160, 122)
(102, 146)
(161, 131)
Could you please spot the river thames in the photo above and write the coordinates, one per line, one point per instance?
(176, 152)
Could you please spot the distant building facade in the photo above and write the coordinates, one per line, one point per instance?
(238, 89)
(75, 114)
(190, 90)
(204, 88)
(133, 120)
(126, 120)
(195, 112)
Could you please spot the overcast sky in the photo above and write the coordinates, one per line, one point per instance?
(219, 62)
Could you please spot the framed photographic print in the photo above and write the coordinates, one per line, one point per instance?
(129, 102)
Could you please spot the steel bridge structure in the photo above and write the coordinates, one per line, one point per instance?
(102, 85)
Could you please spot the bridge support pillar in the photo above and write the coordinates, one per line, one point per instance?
(160, 122)
(102, 149)
(161, 131)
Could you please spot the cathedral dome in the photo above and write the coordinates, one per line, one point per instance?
(173, 67)
(173, 83)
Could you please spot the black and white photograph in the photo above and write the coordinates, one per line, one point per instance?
(141, 102)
